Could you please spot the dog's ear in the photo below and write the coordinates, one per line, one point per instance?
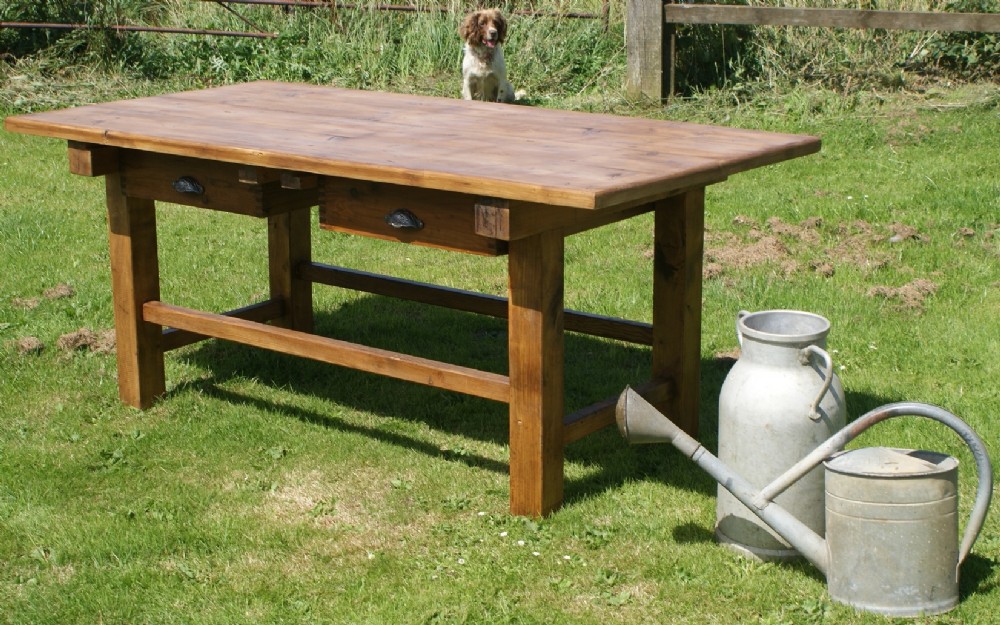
(469, 26)
(501, 24)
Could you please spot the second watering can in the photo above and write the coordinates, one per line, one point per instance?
(891, 542)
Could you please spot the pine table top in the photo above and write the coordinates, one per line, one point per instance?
(513, 152)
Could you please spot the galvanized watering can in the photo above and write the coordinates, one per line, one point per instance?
(891, 514)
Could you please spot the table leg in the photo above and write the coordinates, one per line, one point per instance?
(289, 244)
(535, 346)
(677, 266)
(135, 279)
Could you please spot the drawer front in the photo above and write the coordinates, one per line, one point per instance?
(208, 184)
(396, 213)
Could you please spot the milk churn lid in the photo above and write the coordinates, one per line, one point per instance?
(885, 461)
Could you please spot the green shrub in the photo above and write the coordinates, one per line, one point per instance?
(969, 55)
(714, 56)
(93, 46)
(16, 42)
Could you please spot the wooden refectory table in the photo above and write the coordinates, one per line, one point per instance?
(471, 177)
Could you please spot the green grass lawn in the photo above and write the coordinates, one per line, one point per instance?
(267, 489)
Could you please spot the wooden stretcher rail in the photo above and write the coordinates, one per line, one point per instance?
(383, 362)
(468, 301)
(578, 424)
(600, 415)
(264, 311)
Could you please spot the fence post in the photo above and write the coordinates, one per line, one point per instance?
(646, 48)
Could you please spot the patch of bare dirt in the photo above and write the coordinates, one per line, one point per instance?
(28, 345)
(910, 296)
(776, 242)
(806, 232)
(726, 250)
(810, 245)
(903, 232)
(711, 270)
(858, 226)
(858, 245)
(27, 303)
(86, 339)
(59, 291)
(984, 238)
(824, 269)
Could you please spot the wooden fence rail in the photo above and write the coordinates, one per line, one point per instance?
(651, 43)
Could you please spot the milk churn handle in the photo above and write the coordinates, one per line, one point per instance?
(739, 317)
(827, 376)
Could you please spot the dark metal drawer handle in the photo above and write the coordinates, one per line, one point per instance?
(403, 219)
(187, 184)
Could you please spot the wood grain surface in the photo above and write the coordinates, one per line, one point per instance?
(513, 152)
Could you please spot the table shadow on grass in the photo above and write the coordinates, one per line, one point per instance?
(596, 369)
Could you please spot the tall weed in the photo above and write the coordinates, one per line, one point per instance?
(976, 55)
(363, 47)
(840, 59)
(96, 46)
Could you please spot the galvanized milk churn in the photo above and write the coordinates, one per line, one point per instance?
(780, 400)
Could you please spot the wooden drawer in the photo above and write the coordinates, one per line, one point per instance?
(396, 213)
(209, 184)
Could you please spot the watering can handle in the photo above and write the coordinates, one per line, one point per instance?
(827, 376)
(984, 493)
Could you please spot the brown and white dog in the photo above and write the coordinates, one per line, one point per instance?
(484, 74)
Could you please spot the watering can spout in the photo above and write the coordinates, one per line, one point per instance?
(640, 422)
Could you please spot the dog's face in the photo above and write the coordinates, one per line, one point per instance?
(484, 28)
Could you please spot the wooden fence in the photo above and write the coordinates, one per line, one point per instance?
(651, 42)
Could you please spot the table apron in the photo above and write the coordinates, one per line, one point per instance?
(209, 184)
(427, 217)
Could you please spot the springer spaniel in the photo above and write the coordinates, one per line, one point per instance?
(484, 74)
